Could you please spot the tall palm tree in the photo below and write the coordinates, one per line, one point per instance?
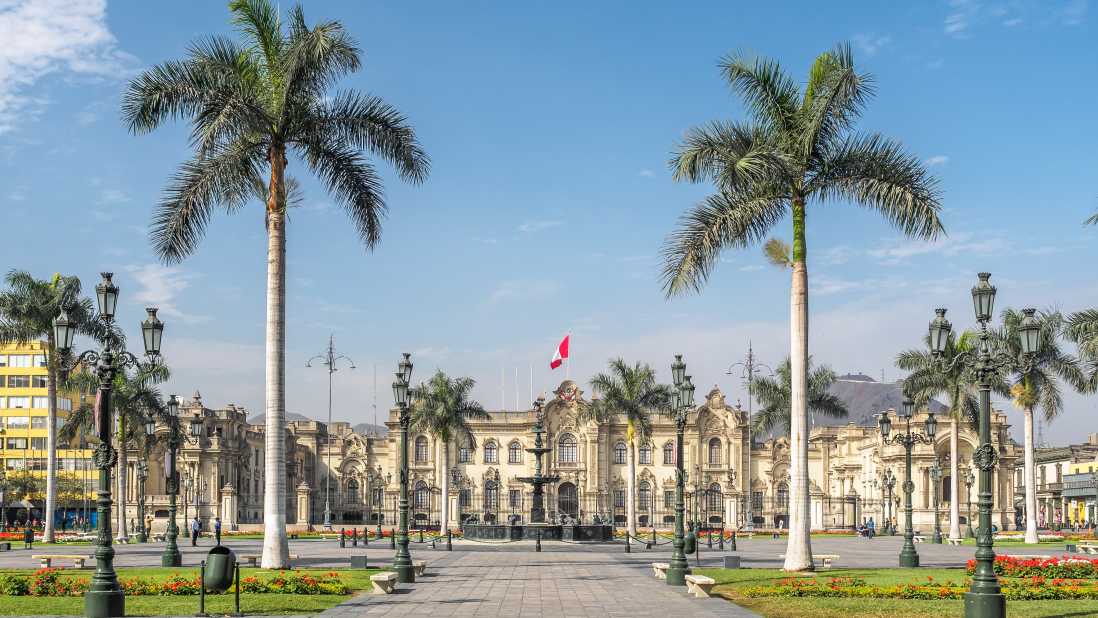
(1039, 387)
(631, 391)
(134, 398)
(796, 150)
(775, 395)
(442, 408)
(958, 387)
(250, 104)
(27, 310)
(1082, 330)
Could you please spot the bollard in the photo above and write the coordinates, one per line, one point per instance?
(421, 535)
(378, 534)
(709, 539)
(732, 541)
(354, 537)
(342, 538)
(236, 594)
(202, 590)
(628, 550)
(392, 539)
(449, 540)
(653, 535)
(537, 544)
(720, 543)
(365, 536)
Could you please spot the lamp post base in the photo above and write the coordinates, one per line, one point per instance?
(909, 559)
(406, 573)
(104, 603)
(676, 575)
(937, 540)
(169, 559)
(985, 605)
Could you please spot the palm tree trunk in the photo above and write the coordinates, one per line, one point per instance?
(51, 441)
(954, 502)
(444, 508)
(120, 501)
(276, 551)
(1031, 481)
(798, 552)
(631, 494)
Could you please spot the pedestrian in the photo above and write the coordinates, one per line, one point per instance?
(28, 537)
(148, 527)
(217, 529)
(872, 528)
(196, 526)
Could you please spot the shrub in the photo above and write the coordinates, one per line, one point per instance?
(1052, 568)
(1030, 589)
(14, 585)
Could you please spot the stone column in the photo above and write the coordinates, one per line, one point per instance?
(229, 506)
(304, 515)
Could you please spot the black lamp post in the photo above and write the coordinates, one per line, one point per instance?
(3, 515)
(402, 564)
(176, 438)
(969, 478)
(682, 399)
(142, 476)
(105, 596)
(889, 483)
(985, 597)
(908, 556)
(936, 480)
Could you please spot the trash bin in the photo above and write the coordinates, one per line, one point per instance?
(218, 576)
(690, 543)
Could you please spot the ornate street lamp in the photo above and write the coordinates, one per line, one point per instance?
(105, 596)
(329, 359)
(936, 480)
(969, 478)
(908, 556)
(985, 597)
(889, 484)
(402, 564)
(176, 438)
(142, 476)
(682, 399)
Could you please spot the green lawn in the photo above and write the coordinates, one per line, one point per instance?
(730, 581)
(267, 604)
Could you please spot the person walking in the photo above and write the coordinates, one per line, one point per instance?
(148, 527)
(872, 528)
(196, 526)
(217, 529)
(28, 537)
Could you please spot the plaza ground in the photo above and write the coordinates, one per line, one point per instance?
(569, 580)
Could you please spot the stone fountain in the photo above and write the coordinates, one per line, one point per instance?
(538, 481)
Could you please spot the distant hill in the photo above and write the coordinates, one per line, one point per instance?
(369, 429)
(865, 397)
(260, 419)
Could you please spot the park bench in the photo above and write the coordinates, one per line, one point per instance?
(824, 559)
(1026, 556)
(420, 567)
(46, 560)
(1088, 548)
(918, 538)
(251, 559)
(955, 541)
(659, 569)
(699, 585)
(384, 583)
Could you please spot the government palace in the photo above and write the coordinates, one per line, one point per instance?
(729, 480)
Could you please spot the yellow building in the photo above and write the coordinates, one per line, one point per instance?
(1081, 489)
(24, 413)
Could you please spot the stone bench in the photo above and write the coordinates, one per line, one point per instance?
(824, 559)
(251, 559)
(45, 561)
(1026, 556)
(918, 538)
(384, 583)
(1088, 548)
(955, 541)
(420, 567)
(659, 569)
(699, 585)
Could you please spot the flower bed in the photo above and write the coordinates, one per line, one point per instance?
(1029, 589)
(48, 583)
(1064, 568)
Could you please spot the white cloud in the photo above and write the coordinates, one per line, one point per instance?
(960, 17)
(894, 252)
(646, 173)
(524, 290)
(751, 268)
(162, 287)
(839, 254)
(41, 37)
(936, 160)
(870, 44)
(538, 225)
(1014, 21)
(1073, 13)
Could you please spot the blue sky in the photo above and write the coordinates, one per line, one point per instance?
(550, 126)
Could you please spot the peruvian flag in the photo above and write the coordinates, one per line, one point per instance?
(560, 354)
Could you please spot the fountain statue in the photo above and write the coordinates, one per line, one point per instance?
(538, 481)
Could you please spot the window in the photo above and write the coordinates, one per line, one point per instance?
(421, 449)
(14, 464)
(490, 456)
(644, 496)
(40, 360)
(19, 360)
(714, 498)
(64, 404)
(756, 501)
(42, 403)
(18, 381)
(619, 453)
(18, 422)
(18, 402)
(422, 496)
(352, 490)
(646, 455)
(3, 360)
(465, 498)
(39, 381)
(514, 499)
(36, 463)
(17, 443)
(514, 453)
(3, 383)
(668, 454)
(463, 454)
(491, 496)
(619, 498)
(39, 422)
(668, 499)
(783, 497)
(566, 449)
(715, 451)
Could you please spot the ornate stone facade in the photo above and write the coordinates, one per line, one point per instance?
(846, 466)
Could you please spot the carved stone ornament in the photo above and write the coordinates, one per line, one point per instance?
(105, 456)
(909, 486)
(985, 457)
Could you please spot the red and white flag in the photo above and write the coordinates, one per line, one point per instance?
(560, 354)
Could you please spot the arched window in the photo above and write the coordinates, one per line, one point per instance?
(715, 450)
(514, 452)
(352, 490)
(619, 453)
(421, 449)
(422, 496)
(490, 456)
(783, 497)
(644, 496)
(669, 454)
(713, 498)
(566, 449)
(491, 496)
(645, 455)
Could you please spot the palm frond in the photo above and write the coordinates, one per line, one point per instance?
(730, 154)
(834, 98)
(778, 253)
(770, 94)
(259, 20)
(316, 58)
(353, 181)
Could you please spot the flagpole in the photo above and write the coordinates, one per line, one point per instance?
(531, 382)
(516, 390)
(568, 361)
(502, 389)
